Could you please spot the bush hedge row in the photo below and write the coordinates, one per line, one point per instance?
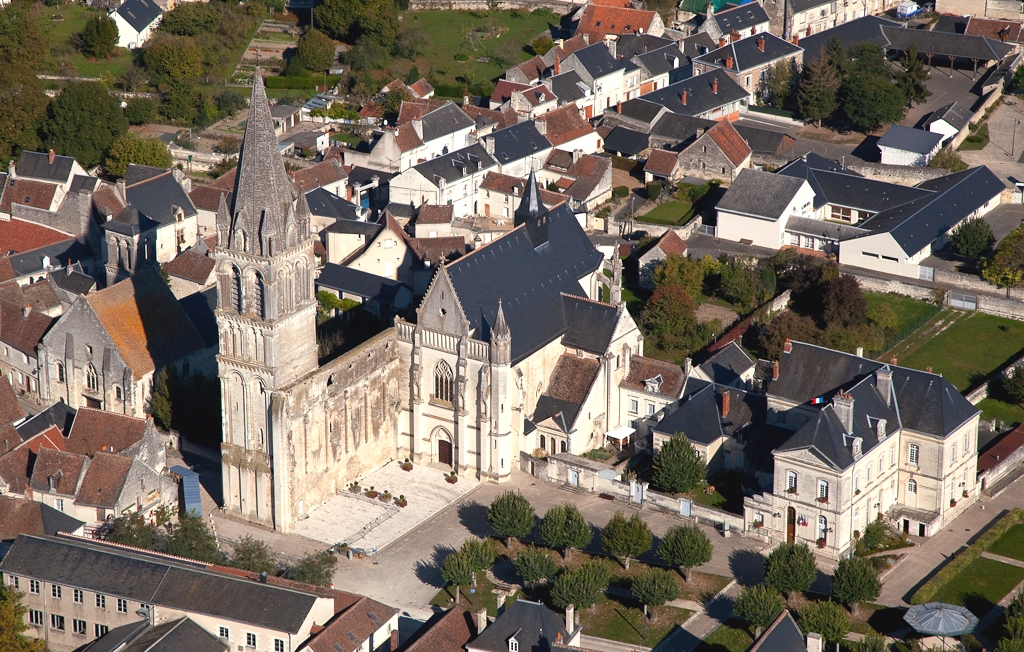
(930, 589)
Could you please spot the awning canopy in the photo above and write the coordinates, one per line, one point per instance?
(620, 433)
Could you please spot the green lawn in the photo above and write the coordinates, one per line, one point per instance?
(728, 494)
(622, 619)
(1011, 544)
(484, 596)
(732, 636)
(59, 34)
(970, 349)
(447, 31)
(977, 139)
(981, 585)
(994, 408)
(907, 310)
(673, 212)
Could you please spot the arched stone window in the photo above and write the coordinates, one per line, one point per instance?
(444, 382)
(92, 380)
(60, 372)
(236, 289)
(822, 528)
(259, 305)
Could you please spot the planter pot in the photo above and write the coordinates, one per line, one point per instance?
(965, 494)
(823, 500)
(791, 490)
(952, 503)
(355, 490)
(384, 498)
(451, 479)
(402, 503)
(371, 494)
(407, 467)
(821, 543)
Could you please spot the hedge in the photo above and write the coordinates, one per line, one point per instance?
(300, 83)
(620, 191)
(929, 589)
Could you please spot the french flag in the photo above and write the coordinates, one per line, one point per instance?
(818, 401)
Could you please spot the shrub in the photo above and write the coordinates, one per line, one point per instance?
(653, 190)
(790, 568)
(618, 192)
(825, 618)
(461, 56)
(759, 605)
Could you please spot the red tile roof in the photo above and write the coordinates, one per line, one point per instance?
(565, 125)
(20, 516)
(321, 174)
(1002, 449)
(49, 438)
(503, 90)
(434, 214)
(995, 29)
(515, 186)
(421, 88)
(94, 431)
(104, 480)
(226, 181)
(537, 95)
(191, 266)
(6, 270)
(17, 236)
(730, 141)
(661, 162)
(431, 249)
(16, 467)
(501, 119)
(347, 631)
(371, 111)
(407, 139)
(671, 244)
(642, 369)
(449, 633)
(10, 409)
(22, 331)
(63, 468)
(533, 68)
(416, 109)
(207, 198)
(37, 194)
(598, 21)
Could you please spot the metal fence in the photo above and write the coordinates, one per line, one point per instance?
(963, 301)
(905, 332)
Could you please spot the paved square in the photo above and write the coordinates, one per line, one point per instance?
(372, 524)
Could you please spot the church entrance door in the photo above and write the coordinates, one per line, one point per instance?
(790, 524)
(444, 452)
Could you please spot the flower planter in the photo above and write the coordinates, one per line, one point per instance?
(791, 490)
(821, 543)
(355, 488)
(965, 494)
(758, 525)
(372, 494)
(823, 500)
(451, 479)
(406, 465)
(952, 503)
(856, 493)
(385, 497)
(401, 501)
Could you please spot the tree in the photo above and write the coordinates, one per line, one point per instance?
(12, 624)
(1010, 645)
(160, 405)
(677, 466)
(24, 102)
(316, 568)
(192, 539)
(1006, 267)
(564, 527)
(825, 618)
(818, 97)
(787, 325)
(230, 102)
(254, 555)
(84, 121)
(873, 100)
(178, 101)
(223, 166)
(580, 587)
(873, 643)
(669, 318)
(759, 605)
(21, 41)
(392, 102)
(411, 42)
(685, 546)
(316, 50)
(366, 56)
(140, 110)
(130, 148)
(972, 238)
(687, 272)
(173, 58)
(948, 159)
(457, 570)
(739, 284)
(535, 564)
(511, 515)
(780, 84)
(911, 79)
(541, 45)
(855, 581)
(654, 587)
(845, 305)
(133, 530)
(191, 19)
(790, 568)
(99, 36)
(337, 17)
(626, 538)
(478, 554)
(1013, 384)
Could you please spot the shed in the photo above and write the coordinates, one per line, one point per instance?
(192, 502)
(906, 146)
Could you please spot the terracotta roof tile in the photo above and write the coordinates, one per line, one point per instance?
(371, 111)
(37, 194)
(662, 162)
(407, 139)
(416, 109)
(6, 270)
(503, 90)
(49, 438)
(995, 29)
(20, 516)
(448, 633)
(94, 431)
(207, 198)
(10, 409)
(435, 214)
(347, 631)
(732, 144)
(533, 68)
(104, 480)
(62, 468)
(321, 174)
(997, 453)
(107, 201)
(537, 95)
(598, 21)
(17, 236)
(40, 295)
(501, 119)
(145, 322)
(226, 181)
(671, 244)
(22, 331)
(572, 378)
(506, 184)
(431, 249)
(565, 125)
(642, 369)
(191, 266)
(421, 88)
(16, 467)
(586, 172)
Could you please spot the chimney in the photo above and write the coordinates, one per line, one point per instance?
(734, 36)
(760, 44)
(883, 383)
(121, 191)
(722, 42)
(860, 351)
(570, 618)
(481, 621)
(489, 145)
(753, 30)
(788, 346)
(814, 642)
(687, 366)
(796, 39)
(714, 85)
(465, 100)
(500, 606)
(775, 370)
(558, 64)
(11, 170)
(394, 640)
(726, 403)
(683, 98)
(52, 156)
(577, 154)
(417, 126)
(893, 361)
(699, 132)
(928, 369)
(728, 64)
(26, 311)
(843, 406)
(618, 106)
(263, 577)
(542, 127)
(711, 9)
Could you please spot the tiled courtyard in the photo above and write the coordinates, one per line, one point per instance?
(372, 524)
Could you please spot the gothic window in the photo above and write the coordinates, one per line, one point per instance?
(258, 303)
(117, 393)
(60, 372)
(444, 382)
(543, 442)
(91, 379)
(236, 289)
(564, 447)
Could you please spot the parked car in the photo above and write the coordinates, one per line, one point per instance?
(907, 10)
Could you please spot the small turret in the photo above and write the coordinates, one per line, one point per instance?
(533, 213)
(501, 339)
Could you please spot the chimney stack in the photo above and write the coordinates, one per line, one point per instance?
(577, 154)
(893, 361)
(728, 62)
(722, 42)
(558, 64)
(843, 406)
(860, 351)
(52, 156)
(11, 170)
(26, 311)
(481, 621)
(683, 98)
(814, 643)
(883, 383)
(711, 9)
(618, 106)
(775, 370)
(753, 30)
(726, 403)
(542, 127)
(570, 618)
(788, 346)
(263, 577)
(760, 44)
(714, 85)
(394, 639)
(796, 39)
(928, 369)
(687, 366)
(500, 607)
(734, 36)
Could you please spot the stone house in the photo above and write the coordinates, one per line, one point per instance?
(597, 21)
(718, 153)
(583, 179)
(669, 244)
(749, 62)
(21, 331)
(518, 149)
(604, 74)
(649, 386)
(450, 179)
(191, 271)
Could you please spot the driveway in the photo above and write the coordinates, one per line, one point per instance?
(1002, 154)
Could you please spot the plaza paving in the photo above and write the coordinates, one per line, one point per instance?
(372, 524)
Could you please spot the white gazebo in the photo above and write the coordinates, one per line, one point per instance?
(620, 434)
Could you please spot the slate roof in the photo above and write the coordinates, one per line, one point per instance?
(81, 183)
(447, 631)
(355, 281)
(867, 28)
(95, 430)
(73, 281)
(783, 635)
(853, 191)
(822, 228)
(168, 636)
(798, 167)
(597, 60)
(138, 173)
(456, 165)
(20, 516)
(60, 254)
(36, 165)
(956, 115)
(640, 110)
(59, 415)
(155, 197)
(22, 331)
(759, 193)
(191, 266)
(741, 17)
(156, 579)
(627, 142)
(349, 630)
(568, 86)
(662, 60)
(517, 142)
(697, 44)
(534, 626)
(766, 141)
(642, 369)
(565, 124)
(916, 224)
(679, 128)
(700, 96)
(957, 45)
(728, 364)
(324, 203)
(104, 480)
(443, 121)
(908, 139)
(591, 324)
(529, 278)
(699, 414)
(746, 53)
(597, 21)
(630, 45)
(368, 229)
(139, 13)
(145, 322)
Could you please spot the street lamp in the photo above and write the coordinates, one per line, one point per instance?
(1013, 145)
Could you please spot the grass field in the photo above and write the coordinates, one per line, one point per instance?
(977, 139)
(728, 494)
(59, 35)
(672, 212)
(484, 596)
(981, 585)
(447, 33)
(732, 636)
(973, 347)
(1011, 544)
(907, 310)
(622, 619)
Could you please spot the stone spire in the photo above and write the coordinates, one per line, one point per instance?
(264, 194)
(533, 213)
(501, 339)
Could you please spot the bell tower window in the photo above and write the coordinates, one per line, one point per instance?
(236, 289)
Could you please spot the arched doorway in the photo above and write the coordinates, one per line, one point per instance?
(445, 450)
(790, 524)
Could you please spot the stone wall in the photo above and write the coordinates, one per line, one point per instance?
(886, 286)
(503, 5)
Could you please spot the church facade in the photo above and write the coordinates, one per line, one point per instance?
(508, 352)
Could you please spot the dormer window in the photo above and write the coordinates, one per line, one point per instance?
(857, 445)
(513, 644)
(653, 385)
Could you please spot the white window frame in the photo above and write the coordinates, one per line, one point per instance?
(57, 622)
(914, 455)
(278, 645)
(225, 633)
(823, 489)
(35, 617)
(33, 586)
(79, 596)
(792, 480)
(634, 406)
(650, 409)
(911, 486)
(100, 630)
(250, 639)
(101, 601)
(79, 626)
(952, 454)
(122, 606)
(892, 455)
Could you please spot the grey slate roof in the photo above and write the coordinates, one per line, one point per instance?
(700, 97)
(680, 128)
(530, 280)
(325, 203)
(798, 167)
(517, 142)
(866, 28)
(139, 13)
(641, 110)
(697, 44)
(458, 164)
(630, 45)
(957, 115)
(354, 281)
(916, 224)
(821, 228)
(758, 193)
(728, 364)
(60, 414)
(662, 60)
(854, 191)
(627, 142)
(368, 229)
(746, 53)
(741, 17)
(534, 626)
(74, 281)
(567, 87)
(783, 635)
(80, 183)
(957, 45)
(763, 141)
(138, 173)
(908, 139)
(591, 324)
(169, 636)
(59, 253)
(699, 415)
(155, 196)
(154, 579)
(597, 59)
(36, 165)
(803, 5)
(444, 120)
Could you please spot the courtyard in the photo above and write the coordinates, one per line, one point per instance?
(1005, 127)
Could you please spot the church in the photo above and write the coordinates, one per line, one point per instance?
(510, 351)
